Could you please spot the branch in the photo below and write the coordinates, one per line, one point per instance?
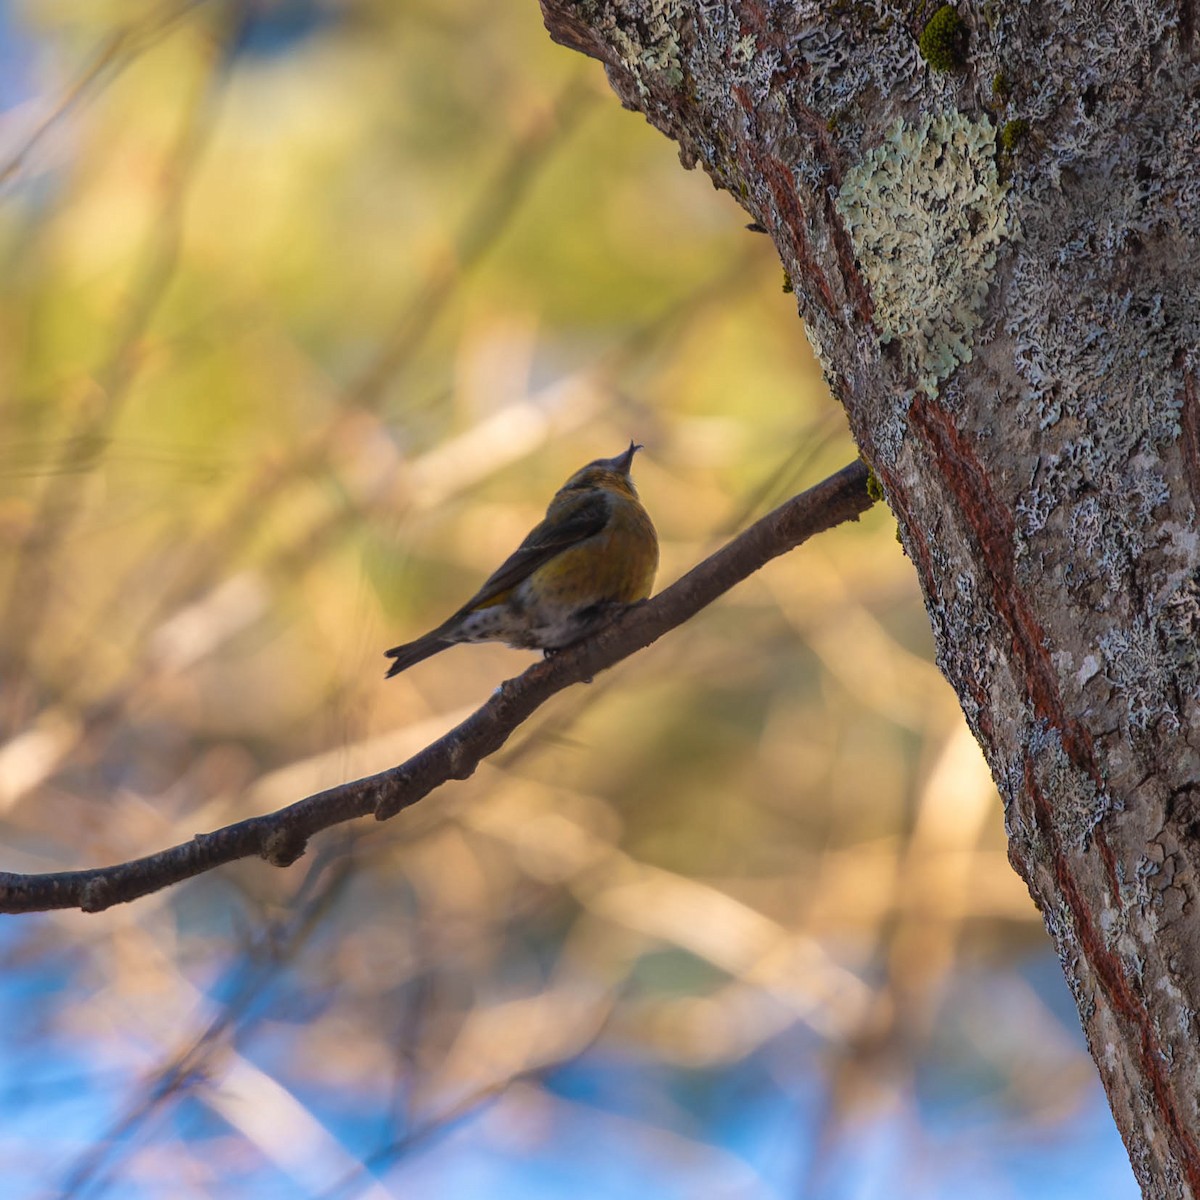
(281, 837)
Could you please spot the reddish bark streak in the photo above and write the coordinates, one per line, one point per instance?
(1122, 998)
(864, 306)
(787, 204)
(993, 531)
(918, 545)
(784, 190)
(1100, 840)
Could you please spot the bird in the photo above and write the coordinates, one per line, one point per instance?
(594, 554)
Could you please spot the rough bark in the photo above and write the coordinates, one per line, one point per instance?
(997, 264)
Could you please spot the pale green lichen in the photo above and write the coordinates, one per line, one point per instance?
(744, 49)
(648, 43)
(927, 212)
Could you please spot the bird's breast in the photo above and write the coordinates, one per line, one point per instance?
(580, 588)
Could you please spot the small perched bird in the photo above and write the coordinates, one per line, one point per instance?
(595, 553)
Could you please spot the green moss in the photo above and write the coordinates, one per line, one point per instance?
(943, 42)
(788, 286)
(1001, 87)
(1012, 135)
(874, 490)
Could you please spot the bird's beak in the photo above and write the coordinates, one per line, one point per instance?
(623, 462)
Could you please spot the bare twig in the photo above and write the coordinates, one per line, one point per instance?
(281, 837)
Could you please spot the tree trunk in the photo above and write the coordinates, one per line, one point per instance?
(990, 218)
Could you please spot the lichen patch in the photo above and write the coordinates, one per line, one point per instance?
(927, 212)
(645, 34)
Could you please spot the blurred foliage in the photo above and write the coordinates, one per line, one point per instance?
(307, 308)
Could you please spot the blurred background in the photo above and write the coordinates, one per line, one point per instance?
(306, 309)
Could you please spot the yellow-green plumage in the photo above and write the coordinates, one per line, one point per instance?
(595, 553)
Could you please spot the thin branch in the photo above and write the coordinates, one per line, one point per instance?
(281, 837)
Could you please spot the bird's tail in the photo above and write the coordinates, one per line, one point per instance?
(414, 652)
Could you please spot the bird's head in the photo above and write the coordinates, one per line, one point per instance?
(605, 473)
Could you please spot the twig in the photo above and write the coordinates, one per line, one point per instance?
(281, 837)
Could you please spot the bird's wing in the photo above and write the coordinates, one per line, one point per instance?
(568, 523)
